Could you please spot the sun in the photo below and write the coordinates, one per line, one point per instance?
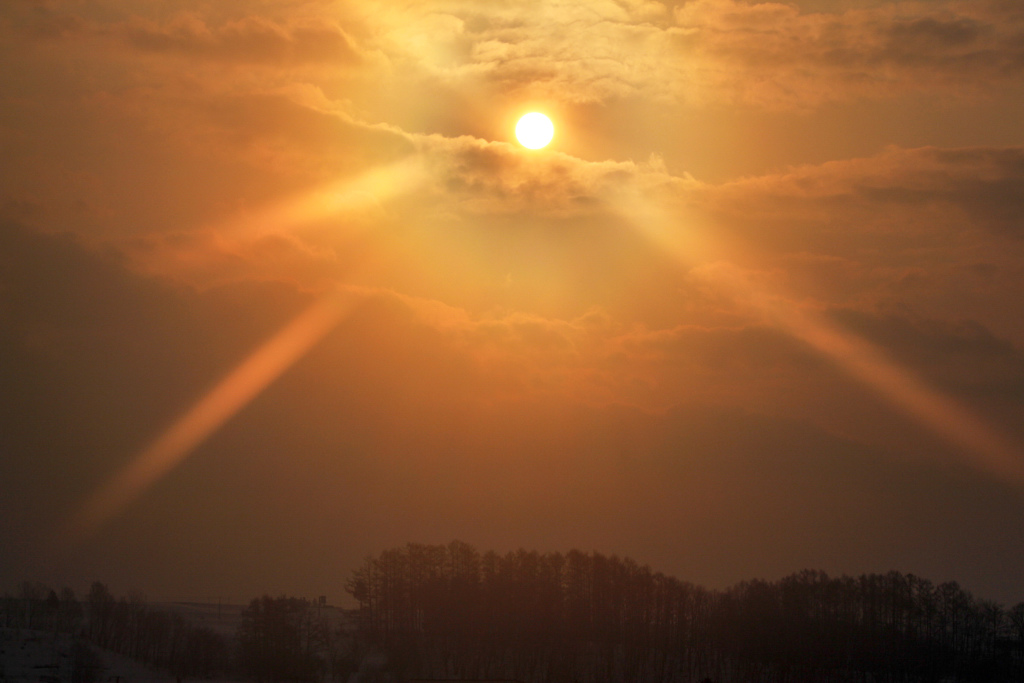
(534, 130)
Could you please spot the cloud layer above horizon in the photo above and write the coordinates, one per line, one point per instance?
(615, 343)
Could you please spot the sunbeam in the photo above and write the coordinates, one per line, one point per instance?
(992, 452)
(985, 448)
(729, 287)
(331, 199)
(229, 396)
(265, 364)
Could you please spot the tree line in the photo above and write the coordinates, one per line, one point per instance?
(277, 639)
(288, 639)
(126, 626)
(453, 612)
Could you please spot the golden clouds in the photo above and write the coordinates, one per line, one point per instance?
(572, 51)
(857, 171)
(703, 51)
(496, 177)
(250, 39)
(711, 51)
(983, 182)
(776, 55)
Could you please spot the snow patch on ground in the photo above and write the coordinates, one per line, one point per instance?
(28, 656)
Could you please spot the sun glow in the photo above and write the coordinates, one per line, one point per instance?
(534, 130)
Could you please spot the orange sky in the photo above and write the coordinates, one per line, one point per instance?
(278, 288)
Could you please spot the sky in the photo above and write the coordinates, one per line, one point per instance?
(280, 290)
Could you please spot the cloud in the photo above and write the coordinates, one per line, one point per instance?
(594, 359)
(499, 178)
(939, 227)
(984, 185)
(530, 365)
(515, 419)
(963, 357)
(252, 39)
(776, 55)
(699, 52)
(878, 235)
(258, 38)
(39, 20)
(712, 51)
(597, 359)
(570, 51)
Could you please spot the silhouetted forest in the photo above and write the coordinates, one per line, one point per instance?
(450, 612)
(129, 627)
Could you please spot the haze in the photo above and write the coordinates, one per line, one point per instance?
(757, 308)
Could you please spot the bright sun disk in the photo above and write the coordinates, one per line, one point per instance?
(534, 130)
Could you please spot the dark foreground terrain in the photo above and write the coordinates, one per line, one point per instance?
(449, 612)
